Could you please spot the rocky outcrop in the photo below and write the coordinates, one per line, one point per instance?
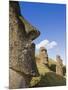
(21, 49)
(43, 56)
(59, 66)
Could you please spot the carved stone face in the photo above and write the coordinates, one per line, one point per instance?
(22, 50)
(43, 55)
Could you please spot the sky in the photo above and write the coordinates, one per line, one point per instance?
(50, 20)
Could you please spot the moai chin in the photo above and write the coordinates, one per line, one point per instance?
(59, 66)
(22, 63)
(43, 56)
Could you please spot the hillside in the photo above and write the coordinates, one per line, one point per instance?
(47, 76)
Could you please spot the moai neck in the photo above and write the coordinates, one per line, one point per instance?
(59, 66)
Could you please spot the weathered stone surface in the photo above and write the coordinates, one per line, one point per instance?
(30, 30)
(16, 79)
(59, 66)
(21, 48)
(43, 56)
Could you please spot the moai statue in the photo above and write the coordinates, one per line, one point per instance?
(22, 65)
(59, 66)
(43, 56)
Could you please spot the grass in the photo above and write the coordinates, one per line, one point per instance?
(47, 76)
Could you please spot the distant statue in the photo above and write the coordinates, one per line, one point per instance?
(22, 63)
(43, 56)
(59, 66)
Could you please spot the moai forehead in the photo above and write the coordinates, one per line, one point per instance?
(58, 56)
(14, 6)
(43, 49)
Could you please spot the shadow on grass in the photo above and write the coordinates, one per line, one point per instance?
(52, 67)
(51, 79)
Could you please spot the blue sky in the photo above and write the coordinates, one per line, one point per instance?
(50, 19)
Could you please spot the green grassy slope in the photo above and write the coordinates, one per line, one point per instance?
(47, 76)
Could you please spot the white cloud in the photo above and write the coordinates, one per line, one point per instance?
(47, 44)
(51, 45)
(42, 44)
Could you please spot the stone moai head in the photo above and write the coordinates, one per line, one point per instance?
(59, 66)
(21, 35)
(59, 60)
(43, 55)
